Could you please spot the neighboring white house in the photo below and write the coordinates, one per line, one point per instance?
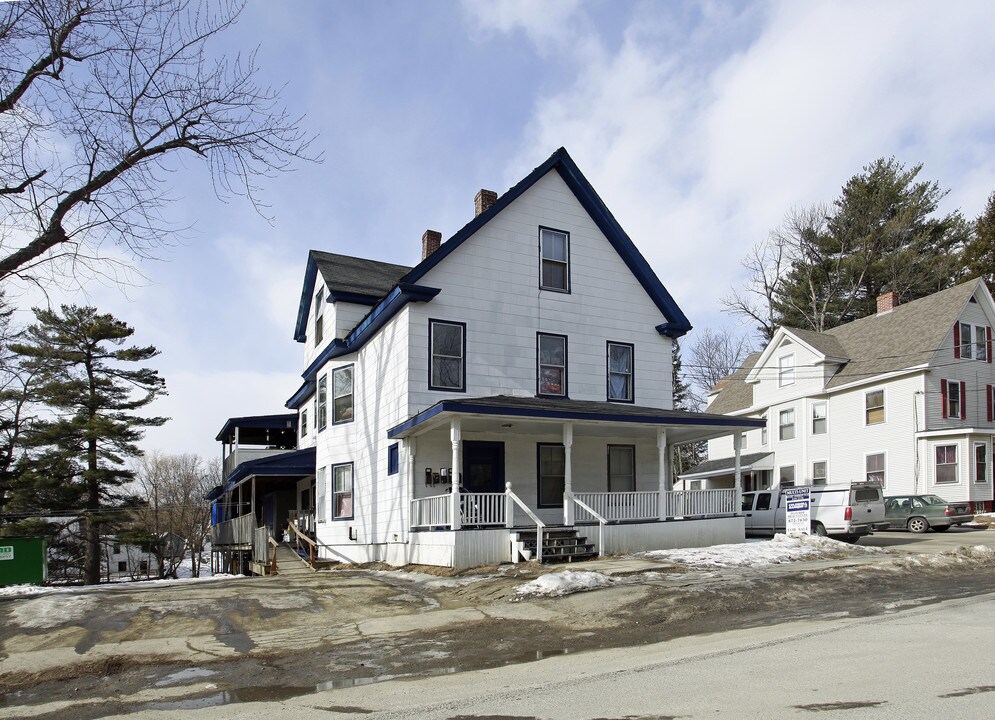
(904, 396)
(527, 360)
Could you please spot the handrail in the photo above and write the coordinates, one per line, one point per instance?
(539, 523)
(272, 562)
(312, 545)
(601, 521)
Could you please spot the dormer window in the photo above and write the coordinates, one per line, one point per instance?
(319, 312)
(554, 252)
(786, 370)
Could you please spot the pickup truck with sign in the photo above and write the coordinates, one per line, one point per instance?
(842, 511)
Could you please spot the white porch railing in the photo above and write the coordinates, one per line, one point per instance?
(580, 507)
(483, 509)
(695, 503)
(619, 506)
(430, 512)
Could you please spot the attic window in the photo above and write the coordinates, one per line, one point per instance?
(319, 320)
(786, 370)
(554, 251)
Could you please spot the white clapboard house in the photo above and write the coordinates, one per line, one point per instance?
(525, 362)
(904, 397)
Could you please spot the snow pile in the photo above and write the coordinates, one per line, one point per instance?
(15, 591)
(949, 558)
(557, 584)
(781, 549)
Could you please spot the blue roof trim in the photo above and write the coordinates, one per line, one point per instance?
(310, 275)
(387, 308)
(283, 421)
(303, 393)
(677, 323)
(293, 463)
(465, 406)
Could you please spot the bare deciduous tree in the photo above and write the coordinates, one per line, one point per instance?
(766, 265)
(98, 100)
(713, 355)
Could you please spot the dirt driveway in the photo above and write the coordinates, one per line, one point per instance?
(89, 653)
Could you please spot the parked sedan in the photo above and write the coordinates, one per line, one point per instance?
(919, 513)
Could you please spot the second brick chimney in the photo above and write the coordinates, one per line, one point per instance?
(887, 302)
(430, 242)
(483, 200)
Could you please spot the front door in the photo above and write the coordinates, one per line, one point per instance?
(483, 467)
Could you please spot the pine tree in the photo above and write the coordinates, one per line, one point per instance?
(979, 255)
(87, 382)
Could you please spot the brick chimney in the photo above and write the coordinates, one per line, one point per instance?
(483, 200)
(887, 302)
(430, 242)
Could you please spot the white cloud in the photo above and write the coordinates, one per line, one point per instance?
(543, 22)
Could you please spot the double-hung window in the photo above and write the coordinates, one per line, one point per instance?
(786, 370)
(980, 463)
(447, 350)
(554, 251)
(319, 316)
(965, 341)
(552, 469)
(819, 418)
(952, 398)
(819, 472)
(342, 395)
(342, 491)
(874, 468)
(763, 431)
(621, 468)
(321, 411)
(981, 342)
(620, 372)
(786, 425)
(946, 464)
(551, 357)
(304, 423)
(874, 407)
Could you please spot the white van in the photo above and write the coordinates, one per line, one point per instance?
(844, 511)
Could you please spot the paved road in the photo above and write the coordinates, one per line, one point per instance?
(914, 662)
(931, 541)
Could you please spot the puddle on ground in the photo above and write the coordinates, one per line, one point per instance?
(285, 692)
(185, 675)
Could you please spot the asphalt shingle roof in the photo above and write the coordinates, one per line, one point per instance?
(346, 274)
(736, 395)
(728, 463)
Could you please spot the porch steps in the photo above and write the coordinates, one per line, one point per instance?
(559, 545)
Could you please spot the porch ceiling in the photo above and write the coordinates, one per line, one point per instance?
(539, 416)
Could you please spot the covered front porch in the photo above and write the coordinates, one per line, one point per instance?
(530, 468)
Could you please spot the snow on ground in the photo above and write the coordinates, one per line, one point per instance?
(781, 549)
(14, 591)
(556, 584)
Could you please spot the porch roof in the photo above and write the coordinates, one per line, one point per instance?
(276, 430)
(722, 466)
(289, 464)
(682, 426)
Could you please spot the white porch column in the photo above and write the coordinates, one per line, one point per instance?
(410, 446)
(737, 442)
(455, 436)
(663, 452)
(568, 489)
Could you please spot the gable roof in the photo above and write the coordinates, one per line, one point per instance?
(676, 323)
(348, 279)
(906, 337)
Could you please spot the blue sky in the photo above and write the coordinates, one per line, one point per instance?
(700, 124)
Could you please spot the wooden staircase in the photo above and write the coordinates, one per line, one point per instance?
(559, 545)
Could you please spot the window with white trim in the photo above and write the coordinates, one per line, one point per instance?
(946, 464)
(551, 473)
(342, 395)
(787, 475)
(786, 425)
(551, 358)
(447, 349)
(965, 341)
(319, 316)
(763, 430)
(953, 407)
(980, 463)
(874, 407)
(819, 418)
(620, 372)
(304, 423)
(874, 468)
(342, 491)
(819, 472)
(981, 342)
(621, 468)
(321, 413)
(786, 370)
(320, 490)
(554, 260)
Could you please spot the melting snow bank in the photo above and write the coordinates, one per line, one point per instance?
(557, 584)
(781, 549)
(13, 591)
(966, 554)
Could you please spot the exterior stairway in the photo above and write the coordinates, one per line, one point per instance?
(559, 545)
(289, 563)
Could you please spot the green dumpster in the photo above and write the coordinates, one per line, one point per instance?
(23, 560)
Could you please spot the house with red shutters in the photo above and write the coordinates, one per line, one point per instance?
(904, 397)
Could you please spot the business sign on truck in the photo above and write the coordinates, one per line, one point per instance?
(798, 510)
